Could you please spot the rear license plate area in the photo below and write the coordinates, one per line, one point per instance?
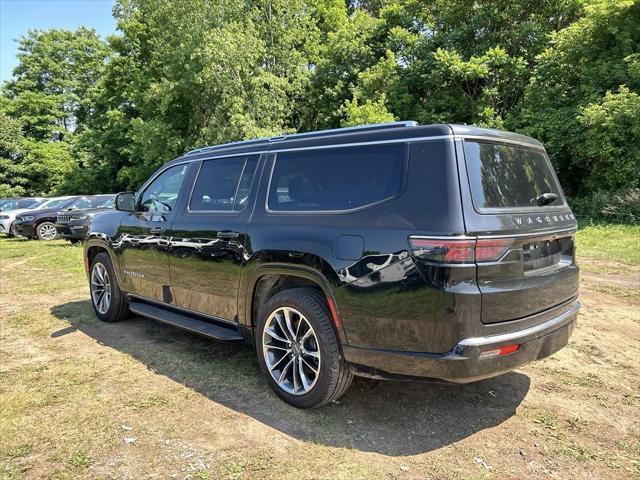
(541, 254)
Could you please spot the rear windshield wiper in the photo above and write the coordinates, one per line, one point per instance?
(544, 199)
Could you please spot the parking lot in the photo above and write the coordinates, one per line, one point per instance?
(138, 399)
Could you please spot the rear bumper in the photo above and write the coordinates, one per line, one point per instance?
(462, 363)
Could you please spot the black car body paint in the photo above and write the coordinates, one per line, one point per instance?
(397, 313)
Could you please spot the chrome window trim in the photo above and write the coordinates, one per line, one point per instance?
(185, 160)
(540, 233)
(353, 144)
(502, 140)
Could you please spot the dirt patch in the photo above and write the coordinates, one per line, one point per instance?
(138, 399)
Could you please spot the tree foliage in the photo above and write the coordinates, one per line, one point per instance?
(101, 116)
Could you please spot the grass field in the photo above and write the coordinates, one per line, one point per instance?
(137, 400)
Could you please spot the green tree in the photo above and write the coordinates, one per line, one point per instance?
(460, 60)
(582, 99)
(186, 74)
(52, 85)
(11, 150)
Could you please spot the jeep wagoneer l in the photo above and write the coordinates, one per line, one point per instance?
(392, 250)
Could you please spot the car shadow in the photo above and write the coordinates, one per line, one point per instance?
(388, 417)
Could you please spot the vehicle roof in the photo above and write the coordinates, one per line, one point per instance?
(378, 133)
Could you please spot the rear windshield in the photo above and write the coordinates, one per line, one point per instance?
(507, 176)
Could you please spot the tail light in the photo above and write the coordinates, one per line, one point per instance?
(462, 250)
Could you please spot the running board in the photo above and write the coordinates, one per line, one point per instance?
(191, 324)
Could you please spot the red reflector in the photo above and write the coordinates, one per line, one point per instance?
(499, 351)
(492, 248)
(86, 264)
(334, 312)
(444, 251)
(509, 349)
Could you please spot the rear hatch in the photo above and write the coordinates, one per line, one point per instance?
(525, 230)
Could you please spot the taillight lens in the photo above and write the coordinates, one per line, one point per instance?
(445, 250)
(492, 249)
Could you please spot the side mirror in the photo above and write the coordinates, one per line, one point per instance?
(126, 202)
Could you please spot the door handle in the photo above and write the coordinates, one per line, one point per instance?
(157, 230)
(227, 235)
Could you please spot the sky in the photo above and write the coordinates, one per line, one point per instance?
(19, 16)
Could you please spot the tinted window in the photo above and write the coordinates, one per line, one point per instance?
(26, 203)
(223, 184)
(161, 194)
(505, 176)
(336, 179)
(53, 203)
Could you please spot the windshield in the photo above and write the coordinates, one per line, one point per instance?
(108, 203)
(506, 176)
(52, 203)
(39, 203)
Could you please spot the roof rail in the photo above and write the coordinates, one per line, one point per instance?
(357, 128)
(225, 145)
(318, 133)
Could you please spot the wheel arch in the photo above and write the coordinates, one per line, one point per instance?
(92, 248)
(40, 221)
(269, 279)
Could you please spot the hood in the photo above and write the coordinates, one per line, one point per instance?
(87, 211)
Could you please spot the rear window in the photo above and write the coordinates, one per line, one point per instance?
(507, 176)
(336, 179)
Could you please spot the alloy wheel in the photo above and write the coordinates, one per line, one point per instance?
(47, 231)
(100, 288)
(290, 350)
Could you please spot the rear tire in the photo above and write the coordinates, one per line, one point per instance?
(317, 373)
(46, 231)
(108, 301)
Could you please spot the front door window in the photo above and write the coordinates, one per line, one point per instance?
(162, 193)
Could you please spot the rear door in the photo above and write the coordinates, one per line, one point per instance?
(514, 205)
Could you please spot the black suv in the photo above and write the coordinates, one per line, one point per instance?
(41, 224)
(73, 226)
(394, 250)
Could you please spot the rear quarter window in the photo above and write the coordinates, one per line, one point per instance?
(508, 176)
(335, 179)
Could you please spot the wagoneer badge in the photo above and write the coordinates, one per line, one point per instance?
(519, 220)
(133, 274)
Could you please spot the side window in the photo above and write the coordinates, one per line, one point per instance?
(161, 194)
(80, 204)
(26, 203)
(223, 184)
(335, 179)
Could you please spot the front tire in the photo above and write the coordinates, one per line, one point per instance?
(107, 299)
(12, 231)
(298, 349)
(46, 231)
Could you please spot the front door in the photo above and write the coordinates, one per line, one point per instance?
(209, 243)
(143, 239)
